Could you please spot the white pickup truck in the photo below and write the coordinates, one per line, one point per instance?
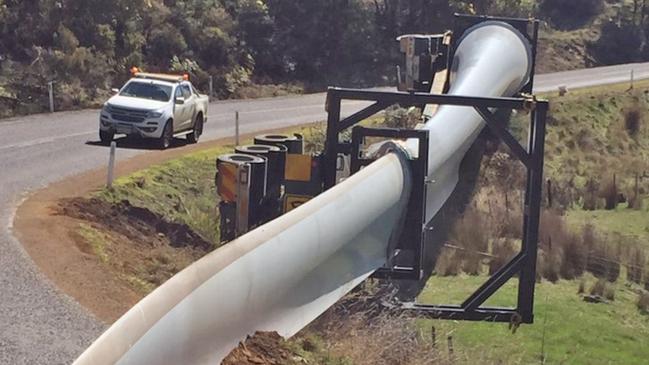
(155, 106)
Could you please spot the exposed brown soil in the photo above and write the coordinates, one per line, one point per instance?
(137, 224)
(53, 242)
(136, 244)
(264, 348)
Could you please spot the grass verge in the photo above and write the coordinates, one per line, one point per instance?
(567, 330)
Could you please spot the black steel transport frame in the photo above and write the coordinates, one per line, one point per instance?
(524, 263)
(406, 257)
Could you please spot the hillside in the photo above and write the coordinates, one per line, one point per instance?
(264, 48)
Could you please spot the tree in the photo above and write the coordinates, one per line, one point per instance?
(322, 40)
(570, 14)
(618, 43)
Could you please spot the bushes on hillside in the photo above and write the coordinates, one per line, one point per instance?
(564, 253)
(603, 289)
(636, 267)
(510, 8)
(610, 195)
(618, 43)
(470, 234)
(478, 243)
(570, 14)
(503, 251)
(643, 303)
(634, 119)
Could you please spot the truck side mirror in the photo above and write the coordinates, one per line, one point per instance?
(115, 91)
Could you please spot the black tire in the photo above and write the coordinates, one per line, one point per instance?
(194, 136)
(106, 137)
(164, 141)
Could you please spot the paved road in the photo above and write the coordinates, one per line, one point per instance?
(592, 77)
(38, 324)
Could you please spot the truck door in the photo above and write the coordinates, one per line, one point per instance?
(180, 110)
(190, 106)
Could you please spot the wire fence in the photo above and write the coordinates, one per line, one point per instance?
(599, 266)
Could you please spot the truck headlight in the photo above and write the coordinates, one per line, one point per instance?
(154, 114)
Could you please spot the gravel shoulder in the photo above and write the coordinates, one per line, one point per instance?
(49, 237)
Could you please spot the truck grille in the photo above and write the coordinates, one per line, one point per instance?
(128, 115)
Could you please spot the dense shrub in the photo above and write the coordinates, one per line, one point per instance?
(471, 235)
(503, 251)
(574, 258)
(589, 195)
(636, 265)
(633, 119)
(603, 261)
(618, 43)
(468, 248)
(448, 263)
(570, 14)
(643, 303)
(548, 265)
(564, 254)
(599, 288)
(609, 292)
(237, 42)
(609, 193)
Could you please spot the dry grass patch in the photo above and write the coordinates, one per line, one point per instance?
(362, 331)
(503, 251)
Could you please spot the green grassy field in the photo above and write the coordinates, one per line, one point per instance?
(567, 329)
(621, 221)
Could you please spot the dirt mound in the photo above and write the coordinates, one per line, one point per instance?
(264, 348)
(140, 247)
(138, 224)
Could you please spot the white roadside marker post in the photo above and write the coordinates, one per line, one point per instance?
(211, 86)
(236, 128)
(111, 165)
(632, 78)
(50, 90)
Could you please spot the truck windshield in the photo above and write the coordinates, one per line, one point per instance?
(147, 91)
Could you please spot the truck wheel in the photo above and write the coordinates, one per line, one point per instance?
(197, 131)
(106, 137)
(167, 136)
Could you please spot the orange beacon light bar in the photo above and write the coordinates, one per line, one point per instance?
(158, 76)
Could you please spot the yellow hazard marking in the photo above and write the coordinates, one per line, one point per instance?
(298, 168)
(293, 201)
(226, 183)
